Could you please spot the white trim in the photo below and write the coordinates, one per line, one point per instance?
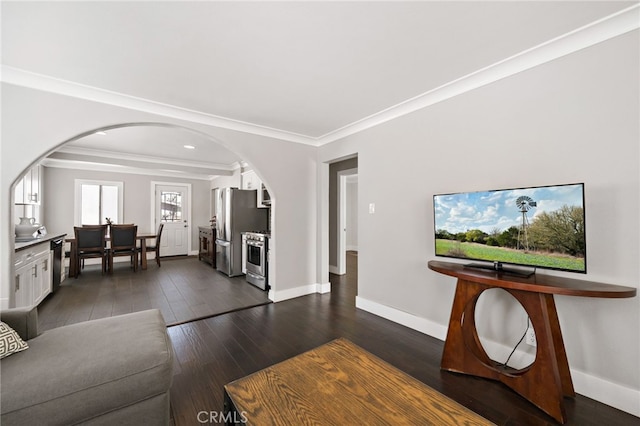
(323, 288)
(333, 269)
(588, 35)
(145, 158)
(20, 77)
(596, 32)
(115, 168)
(610, 393)
(341, 237)
(423, 325)
(291, 293)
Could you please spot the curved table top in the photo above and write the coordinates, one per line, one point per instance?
(536, 283)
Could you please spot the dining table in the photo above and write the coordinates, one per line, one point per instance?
(143, 251)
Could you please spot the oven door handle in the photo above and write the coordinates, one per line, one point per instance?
(255, 243)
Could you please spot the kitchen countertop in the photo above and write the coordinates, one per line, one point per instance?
(42, 239)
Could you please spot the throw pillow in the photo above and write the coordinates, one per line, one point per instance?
(10, 341)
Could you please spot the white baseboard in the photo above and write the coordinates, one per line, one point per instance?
(613, 394)
(352, 248)
(610, 393)
(279, 296)
(291, 293)
(404, 318)
(333, 269)
(323, 288)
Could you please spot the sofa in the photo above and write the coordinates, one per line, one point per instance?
(109, 371)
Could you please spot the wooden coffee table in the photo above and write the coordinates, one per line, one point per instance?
(339, 384)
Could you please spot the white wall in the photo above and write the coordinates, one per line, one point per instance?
(352, 214)
(232, 181)
(575, 119)
(36, 122)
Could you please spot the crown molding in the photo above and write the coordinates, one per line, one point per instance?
(32, 80)
(596, 32)
(145, 158)
(115, 168)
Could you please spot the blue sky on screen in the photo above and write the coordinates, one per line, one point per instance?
(491, 210)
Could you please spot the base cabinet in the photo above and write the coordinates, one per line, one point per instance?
(207, 250)
(33, 276)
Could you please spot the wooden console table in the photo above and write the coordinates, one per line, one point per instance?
(339, 383)
(547, 380)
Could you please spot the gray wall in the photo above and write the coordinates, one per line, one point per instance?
(571, 120)
(46, 120)
(58, 205)
(352, 216)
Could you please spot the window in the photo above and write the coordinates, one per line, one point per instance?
(171, 206)
(95, 201)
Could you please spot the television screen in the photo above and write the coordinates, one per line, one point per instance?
(540, 227)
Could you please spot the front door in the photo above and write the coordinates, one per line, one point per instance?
(172, 209)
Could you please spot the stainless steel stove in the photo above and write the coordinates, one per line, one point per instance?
(258, 259)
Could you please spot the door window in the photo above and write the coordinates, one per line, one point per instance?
(171, 206)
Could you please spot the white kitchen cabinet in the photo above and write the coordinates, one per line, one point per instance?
(250, 180)
(23, 286)
(33, 275)
(27, 190)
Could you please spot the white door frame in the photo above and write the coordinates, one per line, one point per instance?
(154, 224)
(342, 219)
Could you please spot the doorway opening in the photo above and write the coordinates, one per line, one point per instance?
(347, 228)
(343, 226)
(59, 206)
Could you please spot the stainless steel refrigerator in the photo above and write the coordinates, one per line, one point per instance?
(236, 212)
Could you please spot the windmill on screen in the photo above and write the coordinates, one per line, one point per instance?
(524, 204)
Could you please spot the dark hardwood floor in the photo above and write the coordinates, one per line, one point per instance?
(183, 288)
(215, 351)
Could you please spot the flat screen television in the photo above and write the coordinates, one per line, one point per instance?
(538, 227)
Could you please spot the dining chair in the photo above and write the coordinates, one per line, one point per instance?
(90, 243)
(156, 247)
(124, 243)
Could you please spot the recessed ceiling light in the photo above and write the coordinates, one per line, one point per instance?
(189, 146)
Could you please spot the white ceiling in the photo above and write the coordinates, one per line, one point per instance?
(307, 69)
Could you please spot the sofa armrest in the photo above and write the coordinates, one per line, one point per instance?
(23, 320)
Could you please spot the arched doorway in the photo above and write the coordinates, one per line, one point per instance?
(111, 149)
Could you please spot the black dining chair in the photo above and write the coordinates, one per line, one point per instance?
(124, 243)
(90, 243)
(156, 247)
